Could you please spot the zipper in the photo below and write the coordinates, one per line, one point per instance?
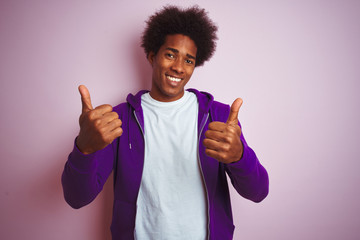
(137, 120)
(142, 131)
(202, 174)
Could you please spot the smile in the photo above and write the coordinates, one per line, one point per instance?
(174, 79)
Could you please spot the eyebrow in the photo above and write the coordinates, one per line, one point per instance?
(177, 51)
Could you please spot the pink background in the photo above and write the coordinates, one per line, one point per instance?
(295, 63)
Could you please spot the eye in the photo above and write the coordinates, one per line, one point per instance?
(169, 55)
(189, 61)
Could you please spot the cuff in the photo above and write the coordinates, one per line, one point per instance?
(82, 162)
(246, 163)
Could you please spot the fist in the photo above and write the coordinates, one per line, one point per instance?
(98, 127)
(222, 140)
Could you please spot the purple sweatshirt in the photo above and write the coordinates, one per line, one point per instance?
(84, 175)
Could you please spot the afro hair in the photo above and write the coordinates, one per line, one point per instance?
(192, 22)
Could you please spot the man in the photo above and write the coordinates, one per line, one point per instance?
(169, 148)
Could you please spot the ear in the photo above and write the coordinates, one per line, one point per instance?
(151, 57)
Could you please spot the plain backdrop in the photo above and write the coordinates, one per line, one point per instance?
(295, 64)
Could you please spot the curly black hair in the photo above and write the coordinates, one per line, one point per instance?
(192, 22)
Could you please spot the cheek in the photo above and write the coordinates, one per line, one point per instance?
(160, 68)
(157, 69)
(189, 72)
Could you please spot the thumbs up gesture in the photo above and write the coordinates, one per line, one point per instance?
(222, 140)
(98, 127)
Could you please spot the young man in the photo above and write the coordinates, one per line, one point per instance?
(170, 149)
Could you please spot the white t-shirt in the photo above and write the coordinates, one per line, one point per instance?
(172, 202)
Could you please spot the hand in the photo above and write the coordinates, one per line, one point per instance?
(222, 140)
(98, 127)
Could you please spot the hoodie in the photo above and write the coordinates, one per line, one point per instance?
(85, 175)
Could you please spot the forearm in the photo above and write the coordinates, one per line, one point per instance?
(84, 175)
(249, 177)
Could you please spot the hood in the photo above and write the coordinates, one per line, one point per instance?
(135, 100)
(205, 99)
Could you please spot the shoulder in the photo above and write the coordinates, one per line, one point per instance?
(219, 111)
(132, 102)
(122, 108)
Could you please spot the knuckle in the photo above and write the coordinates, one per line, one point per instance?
(230, 129)
(118, 132)
(222, 156)
(229, 139)
(116, 115)
(212, 125)
(207, 133)
(117, 122)
(111, 115)
(108, 107)
(97, 123)
(239, 131)
(91, 115)
(228, 148)
(208, 152)
(104, 107)
(106, 139)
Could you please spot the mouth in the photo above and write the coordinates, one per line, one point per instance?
(173, 79)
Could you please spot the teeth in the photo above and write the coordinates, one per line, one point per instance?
(174, 79)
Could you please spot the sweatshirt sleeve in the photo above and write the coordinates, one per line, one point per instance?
(85, 175)
(248, 176)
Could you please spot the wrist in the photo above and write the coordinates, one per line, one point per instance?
(81, 147)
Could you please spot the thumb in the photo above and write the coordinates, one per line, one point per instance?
(234, 111)
(85, 99)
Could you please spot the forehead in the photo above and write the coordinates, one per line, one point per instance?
(182, 43)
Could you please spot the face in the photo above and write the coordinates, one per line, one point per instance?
(172, 66)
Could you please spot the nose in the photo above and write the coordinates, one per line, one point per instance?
(178, 66)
